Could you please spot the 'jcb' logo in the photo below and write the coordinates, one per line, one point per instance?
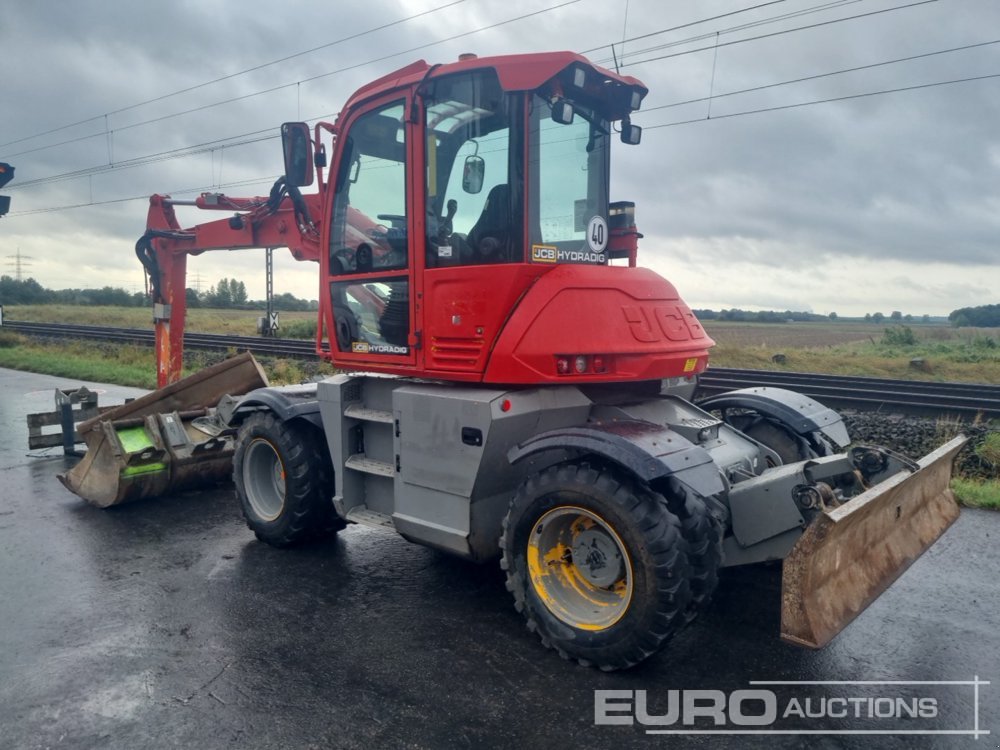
(651, 324)
(543, 254)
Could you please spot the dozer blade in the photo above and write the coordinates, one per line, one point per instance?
(152, 445)
(851, 554)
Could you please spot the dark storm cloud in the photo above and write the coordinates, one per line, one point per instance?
(906, 175)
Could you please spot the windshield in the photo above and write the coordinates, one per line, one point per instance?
(569, 165)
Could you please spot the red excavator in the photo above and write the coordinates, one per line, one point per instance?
(519, 387)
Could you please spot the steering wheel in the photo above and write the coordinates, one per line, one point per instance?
(397, 221)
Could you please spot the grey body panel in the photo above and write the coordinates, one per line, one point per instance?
(431, 458)
(440, 462)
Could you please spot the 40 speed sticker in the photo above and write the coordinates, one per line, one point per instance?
(597, 234)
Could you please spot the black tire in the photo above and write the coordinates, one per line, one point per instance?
(284, 481)
(778, 438)
(643, 598)
(703, 534)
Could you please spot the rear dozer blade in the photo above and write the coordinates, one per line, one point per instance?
(851, 554)
(155, 444)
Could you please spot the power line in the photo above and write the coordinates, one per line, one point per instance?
(777, 108)
(823, 101)
(309, 79)
(177, 153)
(682, 26)
(251, 137)
(145, 197)
(265, 180)
(784, 31)
(229, 76)
(820, 75)
(741, 27)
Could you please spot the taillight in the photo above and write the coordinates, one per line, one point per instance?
(583, 364)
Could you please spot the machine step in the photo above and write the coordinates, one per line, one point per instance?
(357, 411)
(361, 462)
(362, 515)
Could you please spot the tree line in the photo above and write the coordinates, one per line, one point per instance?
(983, 316)
(760, 316)
(227, 294)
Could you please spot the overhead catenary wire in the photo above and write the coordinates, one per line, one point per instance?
(316, 77)
(818, 76)
(253, 137)
(138, 161)
(687, 25)
(772, 34)
(145, 197)
(645, 127)
(229, 76)
(832, 4)
(828, 100)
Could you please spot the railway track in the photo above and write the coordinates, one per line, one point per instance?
(914, 397)
(276, 347)
(917, 397)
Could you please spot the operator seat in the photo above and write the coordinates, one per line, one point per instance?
(490, 235)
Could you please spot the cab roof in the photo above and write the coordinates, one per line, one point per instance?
(515, 73)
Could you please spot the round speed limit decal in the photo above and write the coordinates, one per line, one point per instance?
(597, 234)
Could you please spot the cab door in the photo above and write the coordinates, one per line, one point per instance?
(368, 264)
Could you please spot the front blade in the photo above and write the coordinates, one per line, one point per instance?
(849, 555)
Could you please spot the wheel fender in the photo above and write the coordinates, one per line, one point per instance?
(648, 451)
(800, 413)
(286, 402)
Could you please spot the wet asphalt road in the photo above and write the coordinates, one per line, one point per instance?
(166, 624)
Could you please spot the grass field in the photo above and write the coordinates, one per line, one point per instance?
(835, 347)
(947, 354)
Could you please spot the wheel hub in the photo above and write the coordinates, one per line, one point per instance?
(264, 479)
(597, 557)
(579, 568)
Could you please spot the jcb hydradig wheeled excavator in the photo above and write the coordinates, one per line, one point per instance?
(518, 386)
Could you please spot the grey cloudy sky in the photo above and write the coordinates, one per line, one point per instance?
(875, 203)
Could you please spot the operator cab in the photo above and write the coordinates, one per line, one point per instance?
(454, 187)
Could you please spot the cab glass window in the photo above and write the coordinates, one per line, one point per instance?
(369, 222)
(473, 171)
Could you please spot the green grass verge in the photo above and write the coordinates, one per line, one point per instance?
(127, 366)
(977, 494)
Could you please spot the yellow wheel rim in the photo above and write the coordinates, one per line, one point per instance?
(579, 568)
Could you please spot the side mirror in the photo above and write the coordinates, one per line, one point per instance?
(298, 148)
(562, 112)
(631, 134)
(473, 174)
(6, 173)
